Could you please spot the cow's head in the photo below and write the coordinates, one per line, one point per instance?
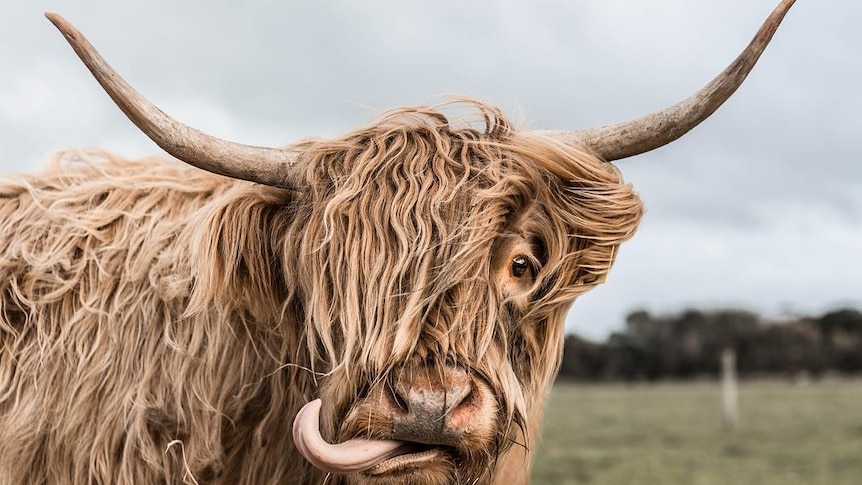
(438, 263)
(428, 267)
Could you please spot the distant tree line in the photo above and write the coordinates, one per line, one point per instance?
(689, 344)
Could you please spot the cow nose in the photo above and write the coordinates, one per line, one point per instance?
(436, 405)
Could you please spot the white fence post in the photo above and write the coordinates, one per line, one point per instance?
(730, 390)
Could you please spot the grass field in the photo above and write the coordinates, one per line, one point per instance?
(672, 434)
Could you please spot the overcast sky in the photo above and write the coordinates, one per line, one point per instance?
(760, 207)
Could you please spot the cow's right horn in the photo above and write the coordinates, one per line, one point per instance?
(660, 128)
(268, 166)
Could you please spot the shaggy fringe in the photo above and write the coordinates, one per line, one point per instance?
(158, 321)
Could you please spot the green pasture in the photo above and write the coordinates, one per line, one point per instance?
(670, 434)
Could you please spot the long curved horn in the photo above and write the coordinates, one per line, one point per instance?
(660, 128)
(268, 166)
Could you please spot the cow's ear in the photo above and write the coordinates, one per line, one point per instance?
(236, 252)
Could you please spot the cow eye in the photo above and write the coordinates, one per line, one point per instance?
(520, 266)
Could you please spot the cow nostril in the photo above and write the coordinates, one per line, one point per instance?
(433, 406)
(459, 397)
(440, 400)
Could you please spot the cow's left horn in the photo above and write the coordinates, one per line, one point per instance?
(269, 166)
(660, 128)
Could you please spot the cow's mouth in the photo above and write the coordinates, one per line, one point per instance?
(372, 457)
(416, 455)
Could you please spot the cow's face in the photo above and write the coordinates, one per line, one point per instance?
(435, 267)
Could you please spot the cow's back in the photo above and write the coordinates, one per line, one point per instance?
(100, 376)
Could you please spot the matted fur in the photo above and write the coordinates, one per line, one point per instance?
(161, 324)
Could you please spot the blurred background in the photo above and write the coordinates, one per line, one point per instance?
(645, 406)
(753, 236)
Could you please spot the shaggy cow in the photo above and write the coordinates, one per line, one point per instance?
(399, 290)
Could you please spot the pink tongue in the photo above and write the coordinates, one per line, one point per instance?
(351, 456)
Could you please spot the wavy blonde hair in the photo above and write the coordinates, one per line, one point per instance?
(158, 321)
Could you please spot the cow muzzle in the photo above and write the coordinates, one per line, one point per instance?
(424, 415)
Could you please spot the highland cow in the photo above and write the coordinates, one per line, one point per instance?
(399, 290)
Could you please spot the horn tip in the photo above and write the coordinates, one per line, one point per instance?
(54, 17)
(59, 21)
